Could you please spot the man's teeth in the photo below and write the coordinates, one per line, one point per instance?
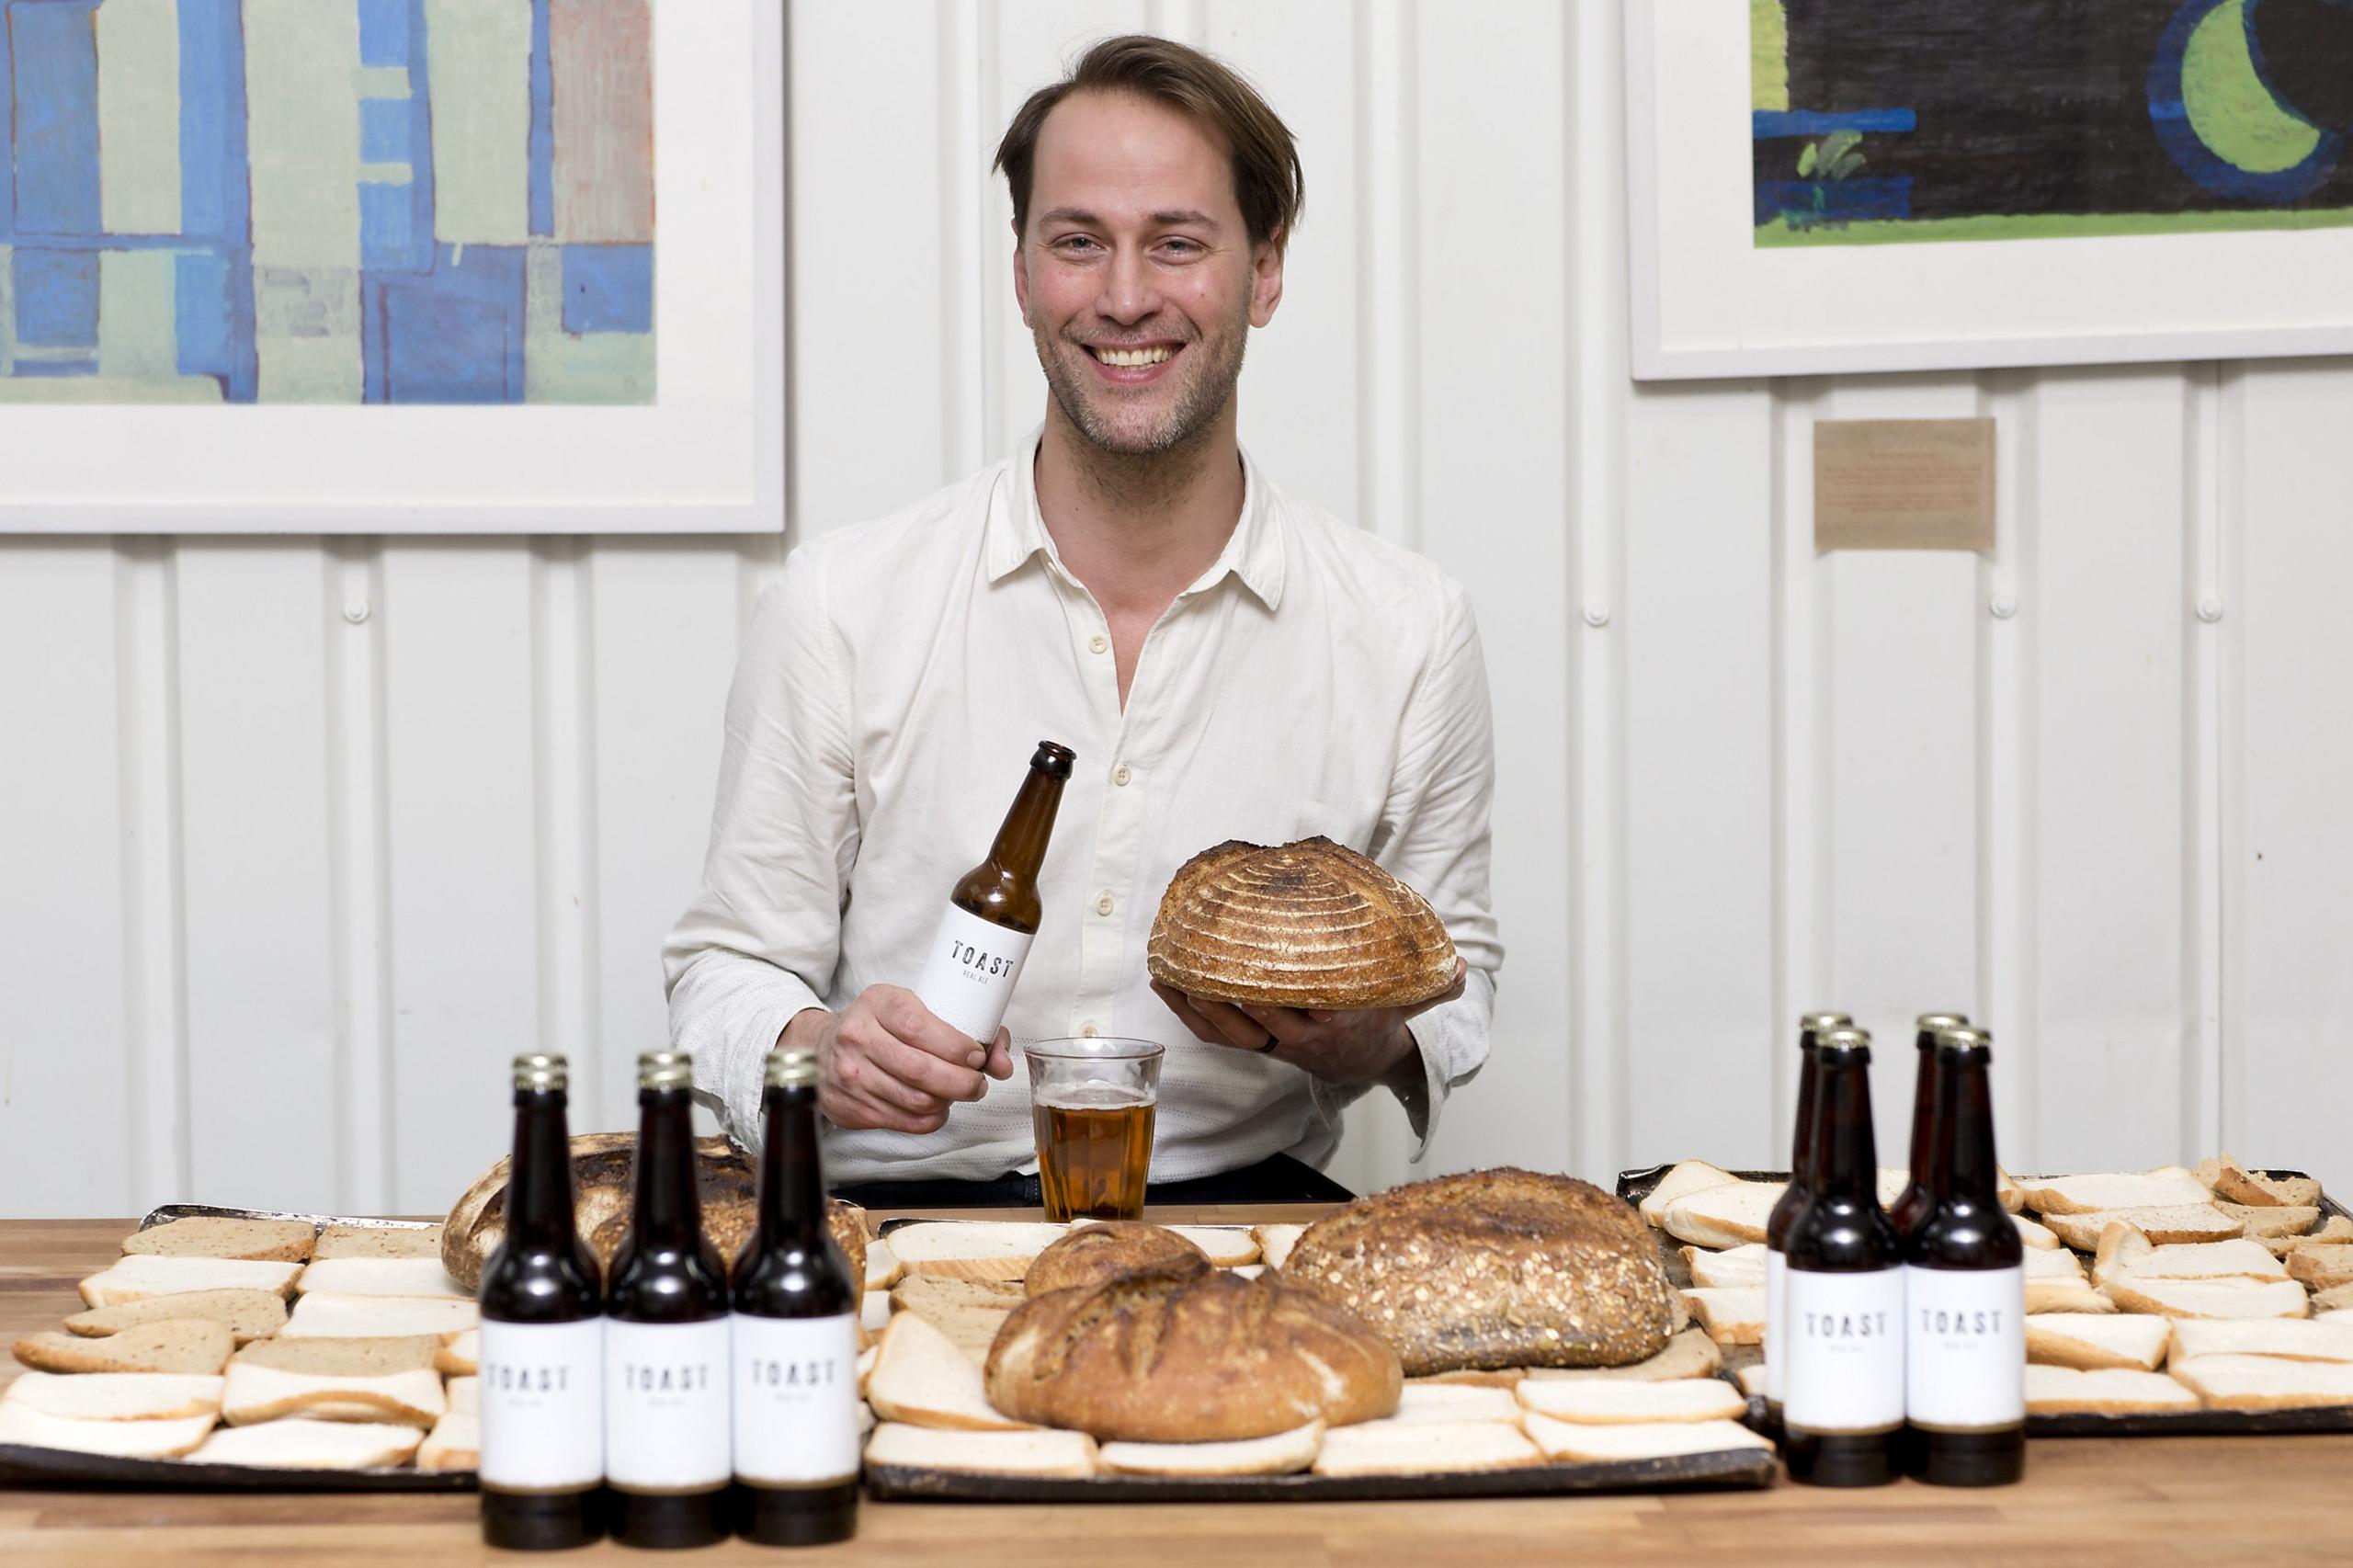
(1128, 359)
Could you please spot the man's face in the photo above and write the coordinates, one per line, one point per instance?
(1136, 276)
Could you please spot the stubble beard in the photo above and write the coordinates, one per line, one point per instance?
(1203, 396)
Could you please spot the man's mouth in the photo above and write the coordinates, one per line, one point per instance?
(1133, 359)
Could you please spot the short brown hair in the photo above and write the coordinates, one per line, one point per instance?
(1267, 179)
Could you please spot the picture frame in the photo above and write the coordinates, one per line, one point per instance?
(1708, 300)
(704, 454)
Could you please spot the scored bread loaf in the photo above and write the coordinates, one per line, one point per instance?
(1493, 1268)
(1089, 1254)
(1311, 923)
(176, 1344)
(248, 1314)
(218, 1235)
(1162, 1359)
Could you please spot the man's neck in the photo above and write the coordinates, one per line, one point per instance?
(1137, 530)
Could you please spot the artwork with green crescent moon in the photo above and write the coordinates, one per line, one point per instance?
(1880, 121)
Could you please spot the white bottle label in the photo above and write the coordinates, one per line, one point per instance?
(1845, 1367)
(969, 975)
(1964, 1358)
(1777, 1306)
(665, 1406)
(542, 1406)
(796, 1399)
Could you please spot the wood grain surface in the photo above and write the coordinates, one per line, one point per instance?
(2087, 1503)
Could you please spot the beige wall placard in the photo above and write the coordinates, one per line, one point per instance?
(1904, 484)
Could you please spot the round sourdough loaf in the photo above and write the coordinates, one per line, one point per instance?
(603, 1165)
(1307, 924)
(1493, 1268)
(1093, 1254)
(1158, 1357)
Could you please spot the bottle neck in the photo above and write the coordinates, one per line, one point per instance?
(1019, 848)
(793, 1183)
(1924, 1102)
(539, 1175)
(1801, 1149)
(1962, 1163)
(1847, 1154)
(669, 1210)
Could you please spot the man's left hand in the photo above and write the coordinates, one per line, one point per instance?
(1354, 1047)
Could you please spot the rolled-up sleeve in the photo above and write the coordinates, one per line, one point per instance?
(762, 939)
(1434, 838)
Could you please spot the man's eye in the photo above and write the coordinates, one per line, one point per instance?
(1184, 248)
(1074, 243)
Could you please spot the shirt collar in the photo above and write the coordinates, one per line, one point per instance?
(1017, 530)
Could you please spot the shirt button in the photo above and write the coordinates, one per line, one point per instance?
(1122, 774)
(1103, 904)
(1087, 1031)
(1098, 643)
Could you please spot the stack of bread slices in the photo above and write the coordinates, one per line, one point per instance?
(2160, 1291)
(260, 1341)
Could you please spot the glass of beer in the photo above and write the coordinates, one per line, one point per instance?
(1091, 1104)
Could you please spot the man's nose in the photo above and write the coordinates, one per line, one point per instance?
(1130, 291)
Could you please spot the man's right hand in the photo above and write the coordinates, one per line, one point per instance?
(886, 1061)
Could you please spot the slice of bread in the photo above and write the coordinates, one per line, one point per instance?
(176, 1344)
(873, 1313)
(299, 1444)
(2322, 1268)
(2034, 1233)
(1226, 1246)
(465, 1396)
(2291, 1339)
(969, 1311)
(1890, 1185)
(1285, 1453)
(206, 1236)
(1733, 1266)
(2173, 1223)
(21, 1422)
(2208, 1298)
(1685, 1179)
(1625, 1403)
(459, 1355)
(2065, 1390)
(971, 1249)
(2065, 1296)
(922, 1379)
(140, 1276)
(381, 1277)
(2088, 1342)
(1247, 1270)
(2125, 1251)
(2258, 1221)
(1275, 1241)
(1571, 1441)
(2007, 1192)
(333, 1315)
(2159, 1188)
(2056, 1263)
(1752, 1380)
(1724, 1216)
(1471, 1377)
(883, 1268)
(1424, 1447)
(344, 1358)
(2233, 1183)
(377, 1240)
(2266, 1382)
(2333, 1299)
(118, 1396)
(1732, 1315)
(256, 1393)
(1690, 1353)
(455, 1443)
(1456, 1402)
(248, 1314)
(1037, 1451)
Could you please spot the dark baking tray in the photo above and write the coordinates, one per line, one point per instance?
(21, 1465)
(1636, 1185)
(1737, 1467)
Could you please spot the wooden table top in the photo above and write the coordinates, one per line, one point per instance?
(2087, 1503)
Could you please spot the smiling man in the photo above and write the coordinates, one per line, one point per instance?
(1227, 663)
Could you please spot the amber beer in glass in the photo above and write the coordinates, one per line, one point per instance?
(1091, 1104)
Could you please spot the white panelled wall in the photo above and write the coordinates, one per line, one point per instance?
(300, 839)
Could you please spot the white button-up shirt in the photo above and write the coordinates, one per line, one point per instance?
(893, 683)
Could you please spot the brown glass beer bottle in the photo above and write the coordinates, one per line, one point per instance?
(1914, 1201)
(975, 958)
(1776, 1224)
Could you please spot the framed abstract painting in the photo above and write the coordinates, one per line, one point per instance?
(1823, 185)
(391, 265)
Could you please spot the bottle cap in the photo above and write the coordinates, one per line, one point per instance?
(1843, 1039)
(1817, 1022)
(538, 1071)
(1053, 759)
(792, 1070)
(665, 1070)
(1935, 1023)
(1975, 1042)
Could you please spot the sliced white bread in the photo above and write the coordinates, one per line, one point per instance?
(1724, 1216)
(883, 1268)
(381, 1277)
(1226, 1246)
(1275, 1241)
(1627, 1403)
(20, 1422)
(118, 1396)
(1247, 1270)
(921, 1379)
(139, 1275)
(1752, 1380)
(2209, 1298)
(2090, 1194)
(2056, 1263)
(2258, 1220)
(455, 1443)
(971, 1249)
(1890, 1185)
(206, 1236)
(2068, 1391)
(2172, 1224)
(378, 1240)
(2088, 1342)
(1042, 1452)
(1285, 1453)
(2236, 1184)
(1472, 1376)
(249, 1315)
(1732, 1315)
(2124, 1250)
(1456, 1402)
(2266, 1382)
(1735, 1267)
(2334, 1299)
(2322, 1267)
(2034, 1233)
(2290, 1340)
(1571, 1441)
(866, 1359)
(191, 1345)
(2065, 1296)
(333, 1315)
(257, 1393)
(460, 1354)
(299, 1444)
(344, 1358)
(1423, 1447)
(2007, 1192)
(969, 1311)
(1685, 1179)
(465, 1396)
(1690, 1353)
(873, 1313)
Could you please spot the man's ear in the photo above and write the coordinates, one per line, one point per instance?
(1020, 275)
(1267, 277)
